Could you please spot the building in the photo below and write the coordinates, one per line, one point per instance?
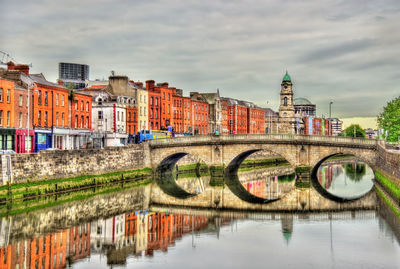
(304, 108)
(336, 126)
(287, 122)
(214, 111)
(77, 74)
(271, 121)
(317, 126)
(81, 121)
(109, 117)
(199, 114)
(154, 105)
(255, 120)
(7, 123)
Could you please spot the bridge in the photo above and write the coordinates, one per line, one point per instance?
(226, 151)
(231, 150)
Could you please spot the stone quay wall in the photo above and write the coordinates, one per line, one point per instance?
(70, 163)
(389, 162)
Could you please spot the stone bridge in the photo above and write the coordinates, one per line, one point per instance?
(231, 150)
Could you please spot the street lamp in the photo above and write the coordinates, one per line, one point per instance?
(330, 109)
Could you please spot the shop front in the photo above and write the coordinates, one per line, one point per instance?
(7, 138)
(61, 138)
(43, 139)
(80, 139)
(23, 141)
(116, 139)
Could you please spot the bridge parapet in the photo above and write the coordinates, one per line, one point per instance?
(273, 138)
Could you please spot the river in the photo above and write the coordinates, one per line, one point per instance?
(126, 229)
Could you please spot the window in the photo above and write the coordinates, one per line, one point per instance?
(81, 120)
(76, 121)
(87, 106)
(8, 118)
(87, 122)
(100, 115)
(21, 100)
(1, 94)
(27, 100)
(156, 101)
(81, 105)
(62, 100)
(62, 119)
(151, 101)
(40, 97)
(118, 115)
(45, 99)
(8, 96)
(27, 120)
(56, 118)
(20, 120)
(76, 105)
(45, 118)
(163, 95)
(168, 97)
(56, 99)
(1, 117)
(134, 116)
(285, 101)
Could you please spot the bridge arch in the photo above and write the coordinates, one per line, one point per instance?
(324, 192)
(238, 153)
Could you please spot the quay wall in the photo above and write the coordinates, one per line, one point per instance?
(71, 163)
(389, 162)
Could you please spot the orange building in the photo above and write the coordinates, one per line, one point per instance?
(178, 112)
(7, 122)
(224, 116)
(131, 119)
(79, 242)
(199, 114)
(49, 251)
(154, 105)
(81, 120)
(187, 115)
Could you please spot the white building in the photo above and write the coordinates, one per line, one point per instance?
(336, 126)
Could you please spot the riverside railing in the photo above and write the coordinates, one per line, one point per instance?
(265, 137)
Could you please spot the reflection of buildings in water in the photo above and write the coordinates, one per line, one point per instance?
(48, 251)
(269, 188)
(106, 232)
(326, 174)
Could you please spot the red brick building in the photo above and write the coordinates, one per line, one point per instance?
(255, 120)
(154, 105)
(199, 114)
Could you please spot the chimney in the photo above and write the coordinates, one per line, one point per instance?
(60, 82)
(150, 85)
(24, 68)
(164, 85)
(179, 92)
(139, 84)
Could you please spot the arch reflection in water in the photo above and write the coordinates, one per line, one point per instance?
(260, 186)
(269, 183)
(345, 178)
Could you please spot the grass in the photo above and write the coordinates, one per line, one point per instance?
(53, 186)
(392, 188)
(21, 206)
(388, 202)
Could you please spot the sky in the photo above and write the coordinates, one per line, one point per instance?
(346, 52)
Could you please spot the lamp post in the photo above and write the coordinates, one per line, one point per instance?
(330, 109)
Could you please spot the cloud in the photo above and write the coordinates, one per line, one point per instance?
(243, 48)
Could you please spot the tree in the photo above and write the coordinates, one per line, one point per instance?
(354, 128)
(389, 120)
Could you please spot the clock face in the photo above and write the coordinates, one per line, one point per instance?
(285, 86)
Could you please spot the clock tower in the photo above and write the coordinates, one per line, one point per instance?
(287, 121)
